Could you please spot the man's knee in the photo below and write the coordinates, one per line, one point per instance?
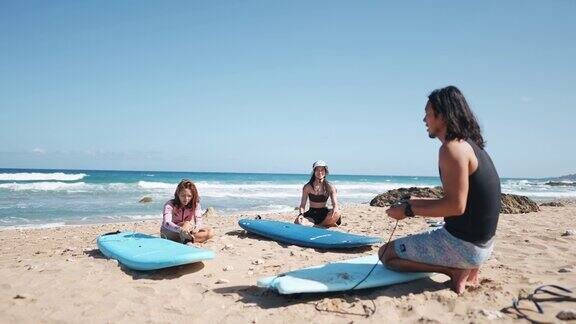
(386, 252)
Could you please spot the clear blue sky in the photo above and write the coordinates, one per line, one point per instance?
(271, 86)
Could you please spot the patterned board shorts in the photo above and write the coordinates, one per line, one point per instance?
(439, 247)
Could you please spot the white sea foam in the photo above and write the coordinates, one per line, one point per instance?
(27, 224)
(537, 189)
(543, 194)
(156, 185)
(273, 190)
(43, 186)
(64, 186)
(523, 183)
(36, 176)
(14, 219)
(267, 190)
(31, 226)
(133, 217)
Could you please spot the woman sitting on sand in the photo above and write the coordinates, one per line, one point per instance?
(183, 216)
(318, 189)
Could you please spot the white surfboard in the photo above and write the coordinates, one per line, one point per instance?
(338, 276)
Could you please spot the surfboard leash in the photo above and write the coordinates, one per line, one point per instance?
(379, 256)
(367, 311)
(399, 202)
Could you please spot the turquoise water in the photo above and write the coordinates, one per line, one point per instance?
(57, 197)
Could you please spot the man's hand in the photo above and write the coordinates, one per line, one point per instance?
(396, 212)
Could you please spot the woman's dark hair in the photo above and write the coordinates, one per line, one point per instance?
(325, 183)
(460, 121)
(187, 184)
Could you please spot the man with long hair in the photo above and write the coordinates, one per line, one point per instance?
(470, 206)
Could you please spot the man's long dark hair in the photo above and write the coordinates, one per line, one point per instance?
(461, 124)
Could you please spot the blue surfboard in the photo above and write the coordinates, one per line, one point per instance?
(338, 276)
(140, 251)
(305, 235)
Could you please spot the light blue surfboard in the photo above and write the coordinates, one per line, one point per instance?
(305, 235)
(338, 276)
(146, 252)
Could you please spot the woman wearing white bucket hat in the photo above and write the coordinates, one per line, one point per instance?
(318, 190)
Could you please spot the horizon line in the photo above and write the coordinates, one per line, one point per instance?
(239, 172)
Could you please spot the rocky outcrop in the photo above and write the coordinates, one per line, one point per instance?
(145, 200)
(568, 177)
(391, 196)
(511, 204)
(515, 204)
(553, 204)
(561, 183)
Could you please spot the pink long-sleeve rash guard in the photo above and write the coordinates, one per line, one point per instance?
(173, 216)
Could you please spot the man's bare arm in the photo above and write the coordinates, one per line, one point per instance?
(454, 164)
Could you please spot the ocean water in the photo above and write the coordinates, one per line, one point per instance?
(44, 198)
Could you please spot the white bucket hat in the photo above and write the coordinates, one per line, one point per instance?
(319, 163)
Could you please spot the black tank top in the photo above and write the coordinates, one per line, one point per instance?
(478, 223)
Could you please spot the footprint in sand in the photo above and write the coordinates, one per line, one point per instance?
(538, 246)
(145, 290)
(174, 309)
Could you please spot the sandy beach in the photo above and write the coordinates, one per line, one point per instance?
(123, 117)
(58, 275)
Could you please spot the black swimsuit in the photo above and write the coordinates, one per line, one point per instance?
(317, 198)
(318, 215)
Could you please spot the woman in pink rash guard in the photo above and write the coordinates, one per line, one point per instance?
(183, 216)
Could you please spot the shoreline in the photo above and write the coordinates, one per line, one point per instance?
(248, 213)
(156, 219)
(59, 275)
(102, 221)
(44, 200)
